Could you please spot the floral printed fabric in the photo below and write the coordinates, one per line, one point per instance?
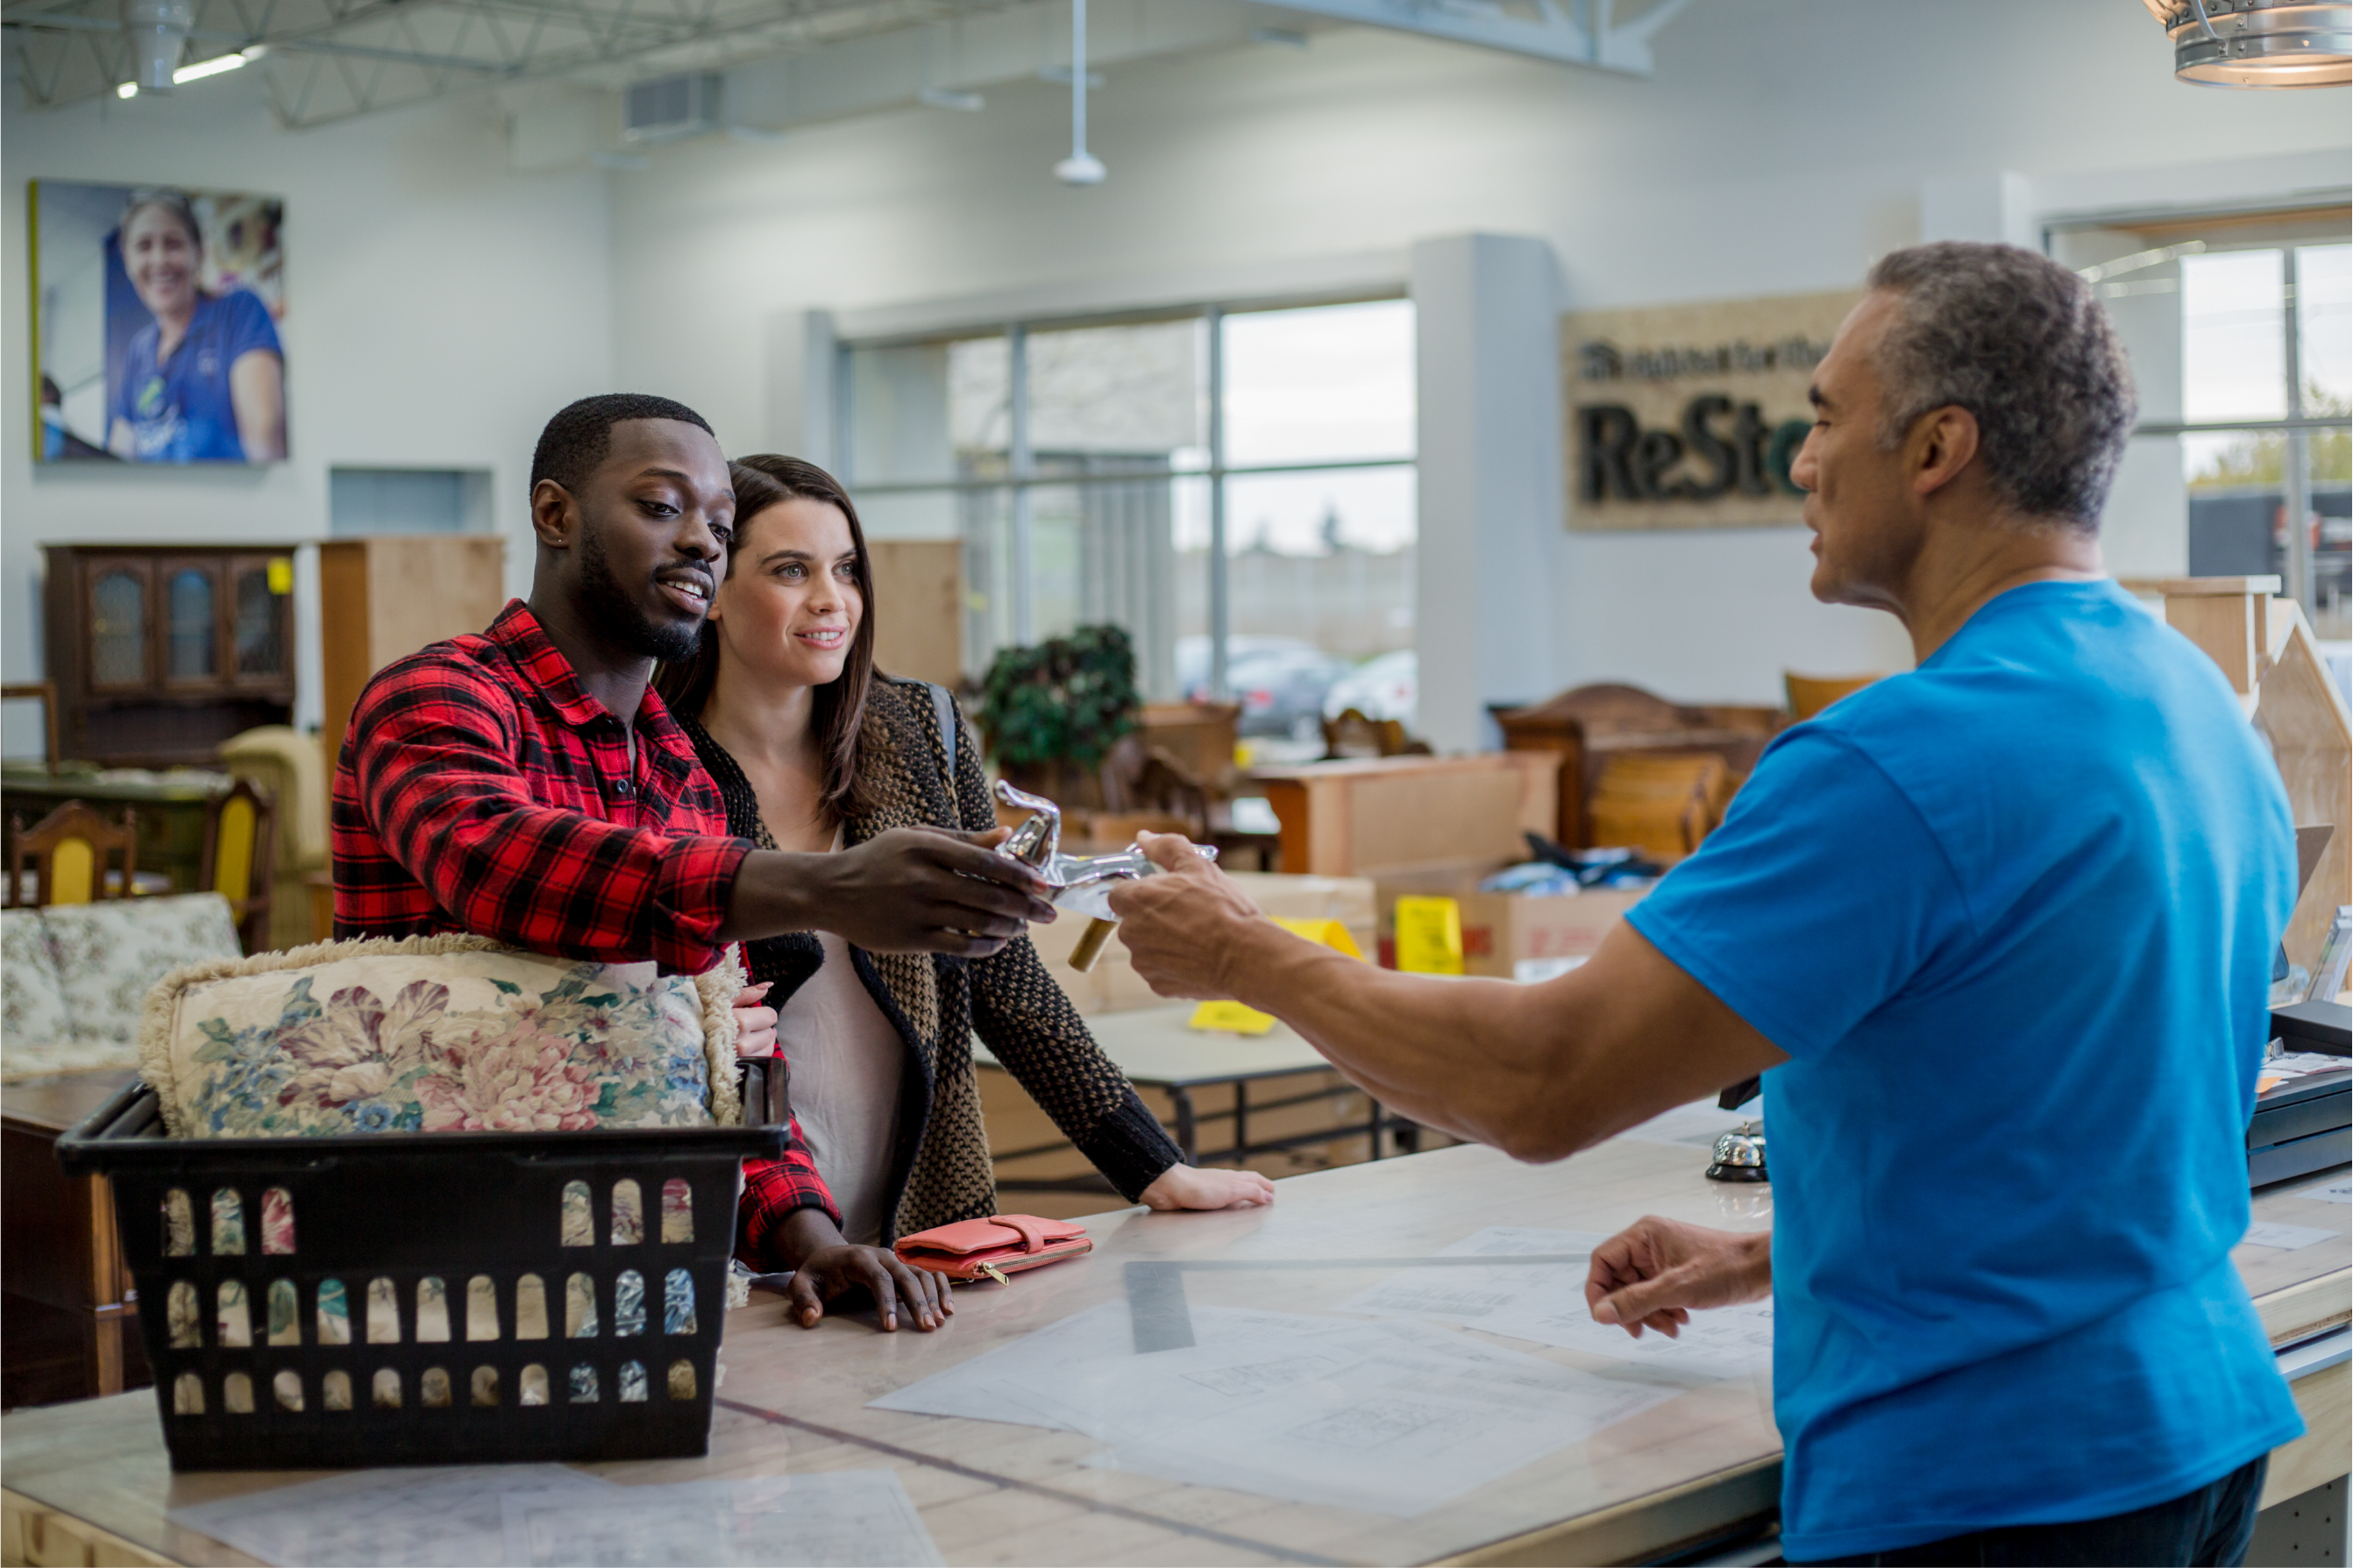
(32, 994)
(477, 1040)
(110, 953)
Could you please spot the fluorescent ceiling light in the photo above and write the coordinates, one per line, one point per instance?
(212, 67)
(128, 90)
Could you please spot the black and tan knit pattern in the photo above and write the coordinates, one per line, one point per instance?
(941, 1172)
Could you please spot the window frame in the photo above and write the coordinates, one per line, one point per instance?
(1022, 479)
(2301, 581)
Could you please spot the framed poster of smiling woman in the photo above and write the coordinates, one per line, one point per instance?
(157, 312)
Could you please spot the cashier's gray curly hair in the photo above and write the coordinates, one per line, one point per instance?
(2024, 345)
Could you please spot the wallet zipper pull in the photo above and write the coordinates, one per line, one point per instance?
(993, 1272)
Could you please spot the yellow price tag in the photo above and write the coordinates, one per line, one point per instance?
(1233, 1018)
(1429, 936)
(281, 575)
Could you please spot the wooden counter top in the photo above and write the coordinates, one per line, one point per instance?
(792, 1400)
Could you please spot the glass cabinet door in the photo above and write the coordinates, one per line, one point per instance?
(191, 623)
(260, 590)
(117, 624)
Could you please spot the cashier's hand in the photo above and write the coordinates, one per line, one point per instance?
(1182, 930)
(756, 1021)
(1655, 1273)
(1186, 1187)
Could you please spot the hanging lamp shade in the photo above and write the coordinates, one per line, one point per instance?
(2259, 43)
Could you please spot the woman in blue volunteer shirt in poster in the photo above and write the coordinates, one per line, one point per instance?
(204, 382)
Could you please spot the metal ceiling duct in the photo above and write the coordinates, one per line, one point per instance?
(157, 29)
(2259, 43)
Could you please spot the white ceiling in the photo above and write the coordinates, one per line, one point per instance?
(332, 59)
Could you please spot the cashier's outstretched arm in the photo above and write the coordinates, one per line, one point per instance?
(1539, 1071)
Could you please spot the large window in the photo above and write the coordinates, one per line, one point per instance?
(1235, 487)
(2242, 332)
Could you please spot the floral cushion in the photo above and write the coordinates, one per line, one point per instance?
(110, 953)
(32, 998)
(437, 1035)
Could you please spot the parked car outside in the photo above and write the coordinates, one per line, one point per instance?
(1384, 687)
(1192, 660)
(1281, 692)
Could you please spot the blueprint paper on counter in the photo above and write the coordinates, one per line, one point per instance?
(1545, 1305)
(2286, 1237)
(419, 1518)
(856, 1519)
(1409, 1418)
(1469, 1296)
(1388, 1416)
(1720, 1342)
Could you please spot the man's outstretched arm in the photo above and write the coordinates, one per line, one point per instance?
(1539, 1071)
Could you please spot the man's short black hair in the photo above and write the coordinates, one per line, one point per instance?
(581, 434)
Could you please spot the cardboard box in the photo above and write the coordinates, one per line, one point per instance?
(1503, 932)
(1114, 987)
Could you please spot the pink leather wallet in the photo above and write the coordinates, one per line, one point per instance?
(992, 1248)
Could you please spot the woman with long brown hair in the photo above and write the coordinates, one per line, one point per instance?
(813, 749)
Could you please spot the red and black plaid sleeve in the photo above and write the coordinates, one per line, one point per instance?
(443, 798)
(773, 1189)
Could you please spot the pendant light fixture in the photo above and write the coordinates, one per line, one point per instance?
(2259, 43)
(1082, 167)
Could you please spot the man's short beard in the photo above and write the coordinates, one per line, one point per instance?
(617, 613)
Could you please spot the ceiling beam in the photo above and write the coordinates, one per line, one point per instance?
(1592, 38)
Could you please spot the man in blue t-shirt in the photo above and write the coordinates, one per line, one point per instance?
(1997, 933)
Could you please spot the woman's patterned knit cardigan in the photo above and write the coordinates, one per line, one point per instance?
(940, 1166)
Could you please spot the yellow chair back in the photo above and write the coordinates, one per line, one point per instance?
(233, 851)
(73, 872)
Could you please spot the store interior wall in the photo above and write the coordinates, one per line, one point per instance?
(1778, 150)
(437, 311)
(441, 306)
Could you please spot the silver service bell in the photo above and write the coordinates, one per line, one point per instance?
(1740, 1155)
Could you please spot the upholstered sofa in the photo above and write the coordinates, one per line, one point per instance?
(72, 976)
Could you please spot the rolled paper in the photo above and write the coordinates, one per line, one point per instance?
(1091, 944)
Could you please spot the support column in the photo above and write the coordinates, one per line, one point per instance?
(1487, 347)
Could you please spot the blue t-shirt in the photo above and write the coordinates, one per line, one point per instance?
(181, 411)
(2011, 916)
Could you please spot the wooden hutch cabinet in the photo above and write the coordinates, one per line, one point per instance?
(162, 652)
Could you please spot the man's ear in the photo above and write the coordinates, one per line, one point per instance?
(555, 515)
(1943, 442)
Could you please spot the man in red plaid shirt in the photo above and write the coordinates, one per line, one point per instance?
(527, 785)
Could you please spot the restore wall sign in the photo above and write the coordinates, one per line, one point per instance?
(1689, 415)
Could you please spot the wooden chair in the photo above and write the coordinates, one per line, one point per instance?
(1664, 805)
(1810, 694)
(1592, 726)
(65, 852)
(1355, 734)
(44, 692)
(239, 851)
(1141, 780)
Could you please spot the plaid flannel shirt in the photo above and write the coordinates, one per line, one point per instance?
(482, 789)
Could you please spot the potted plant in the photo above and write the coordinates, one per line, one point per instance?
(1053, 713)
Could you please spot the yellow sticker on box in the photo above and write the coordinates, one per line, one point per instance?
(1328, 933)
(1230, 1018)
(1233, 1018)
(1428, 936)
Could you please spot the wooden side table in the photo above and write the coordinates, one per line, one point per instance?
(70, 1312)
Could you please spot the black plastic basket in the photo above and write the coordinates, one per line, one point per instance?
(381, 1215)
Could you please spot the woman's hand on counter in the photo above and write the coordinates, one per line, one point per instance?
(1655, 1273)
(1187, 1187)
